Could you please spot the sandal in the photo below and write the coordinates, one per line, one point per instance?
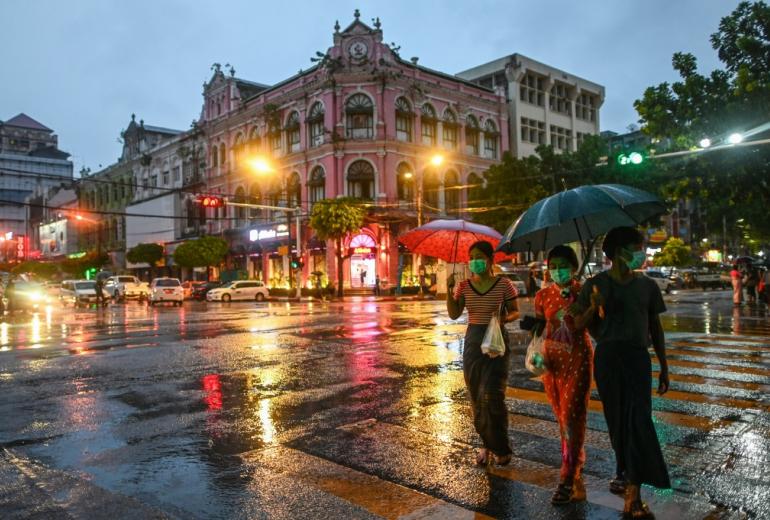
(563, 494)
(639, 511)
(482, 457)
(618, 486)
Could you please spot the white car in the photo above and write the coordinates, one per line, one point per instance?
(166, 290)
(663, 282)
(126, 287)
(77, 292)
(239, 290)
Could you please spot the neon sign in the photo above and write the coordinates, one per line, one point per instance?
(279, 231)
(362, 250)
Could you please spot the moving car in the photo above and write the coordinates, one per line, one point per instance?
(166, 290)
(23, 295)
(239, 290)
(189, 288)
(125, 287)
(77, 292)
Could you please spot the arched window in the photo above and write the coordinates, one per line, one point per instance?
(361, 180)
(428, 124)
(404, 117)
(316, 185)
(292, 132)
(451, 192)
(405, 182)
(490, 139)
(255, 197)
(359, 116)
(222, 154)
(275, 198)
(449, 130)
(214, 156)
(471, 135)
(294, 190)
(240, 212)
(475, 186)
(430, 189)
(274, 134)
(238, 149)
(315, 122)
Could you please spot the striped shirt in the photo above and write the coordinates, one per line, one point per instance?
(482, 306)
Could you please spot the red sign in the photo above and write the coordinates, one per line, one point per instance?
(21, 247)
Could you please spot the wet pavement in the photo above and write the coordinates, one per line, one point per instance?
(346, 410)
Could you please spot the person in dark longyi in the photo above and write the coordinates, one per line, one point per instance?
(486, 377)
(621, 310)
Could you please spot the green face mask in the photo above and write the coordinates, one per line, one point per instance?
(477, 265)
(561, 276)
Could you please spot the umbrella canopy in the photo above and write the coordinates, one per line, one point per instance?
(448, 240)
(578, 215)
(745, 260)
(103, 275)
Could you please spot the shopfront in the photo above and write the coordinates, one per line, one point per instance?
(270, 254)
(363, 261)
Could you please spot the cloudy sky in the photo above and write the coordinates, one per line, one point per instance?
(82, 67)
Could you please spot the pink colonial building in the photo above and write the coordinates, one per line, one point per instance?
(361, 122)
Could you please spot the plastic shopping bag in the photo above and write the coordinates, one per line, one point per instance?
(534, 361)
(561, 338)
(493, 344)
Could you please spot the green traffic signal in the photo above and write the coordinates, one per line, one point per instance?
(631, 158)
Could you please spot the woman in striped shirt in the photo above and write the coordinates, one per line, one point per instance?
(486, 377)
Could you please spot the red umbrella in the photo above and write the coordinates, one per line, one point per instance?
(449, 240)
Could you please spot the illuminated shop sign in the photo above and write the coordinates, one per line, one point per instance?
(272, 233)
(362, 250)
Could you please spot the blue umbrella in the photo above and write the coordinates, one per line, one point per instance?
(579, 215)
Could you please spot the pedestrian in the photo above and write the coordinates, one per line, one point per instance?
(99, 289)
(737, 280)
(750, 281)
(567, 381)
(362, 275)
(621, 309)
(377, 285)
(531, 282)
(486, 377)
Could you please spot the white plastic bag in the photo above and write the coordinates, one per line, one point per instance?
(534, 361)
(493, 344)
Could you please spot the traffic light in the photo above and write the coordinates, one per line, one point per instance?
(296, 263)
(91, 273)
(210, 201)
(634, 158)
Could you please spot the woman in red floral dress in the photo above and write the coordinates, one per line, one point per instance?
(568, 359)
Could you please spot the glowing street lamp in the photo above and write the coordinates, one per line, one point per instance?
(735, 138)
(408, 175)
(705, 142)
(260, 165)
(437, 160)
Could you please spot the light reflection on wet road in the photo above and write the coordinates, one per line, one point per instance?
(353, 410)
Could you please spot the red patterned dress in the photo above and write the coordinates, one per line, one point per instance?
(568, 378)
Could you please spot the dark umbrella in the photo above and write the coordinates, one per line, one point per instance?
(580, 214)
(448, 240)
(101, 275)
(745, 260)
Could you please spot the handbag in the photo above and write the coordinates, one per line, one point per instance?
(493, 343)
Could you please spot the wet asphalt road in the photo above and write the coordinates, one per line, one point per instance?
(345, 410)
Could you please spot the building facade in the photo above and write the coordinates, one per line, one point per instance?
(362, 122)
(546, 105)
(30, 162)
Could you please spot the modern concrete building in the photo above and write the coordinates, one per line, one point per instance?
(546, 105)
(30, 162)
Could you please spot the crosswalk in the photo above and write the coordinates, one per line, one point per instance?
(389, 434)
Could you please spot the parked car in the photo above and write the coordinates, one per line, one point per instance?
(166, 290)
(663, 282)
(126, 287)
(189, 287)
(708, 279)
(239, 290)
(199, 291)
(77, 292)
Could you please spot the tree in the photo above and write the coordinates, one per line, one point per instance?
(146, 254)
(334, 219)
(78, 266)
(730, 184)
(42, 269)
(205, 252)
(674, 253)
